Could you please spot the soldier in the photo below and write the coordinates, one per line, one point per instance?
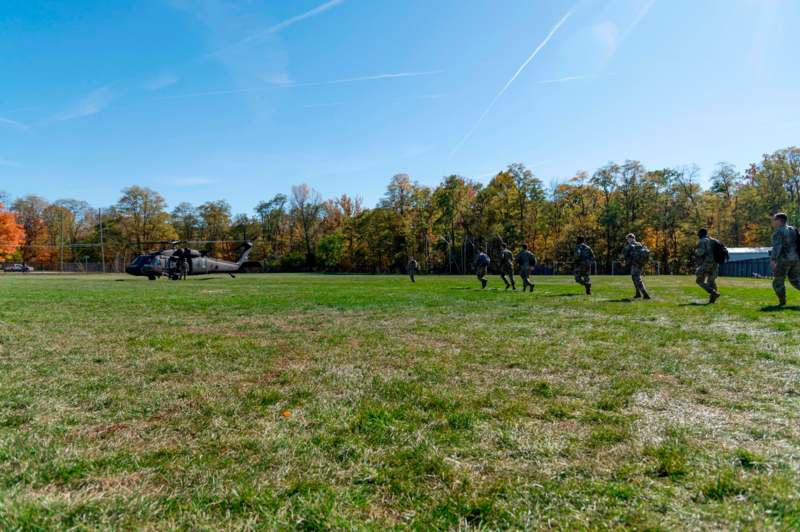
(784, 257)
(482, 267)
(635, 256)
(507, 267)
(584, 256)
(412, 268)
(707, 267)
(526, 261)
(186, 263)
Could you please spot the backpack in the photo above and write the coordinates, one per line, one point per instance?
(484, 260)
(641, 255)
(586, 253)
(797, 239)
(719, 250)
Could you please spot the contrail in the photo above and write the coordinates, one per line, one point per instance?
(560, 80)
(510, 81)
(307, 84)
(279, 26)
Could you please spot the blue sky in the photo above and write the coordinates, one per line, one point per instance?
(240, 99)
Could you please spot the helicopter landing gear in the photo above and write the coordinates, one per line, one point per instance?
(151, 277)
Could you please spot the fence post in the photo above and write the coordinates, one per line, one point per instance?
(102, 246)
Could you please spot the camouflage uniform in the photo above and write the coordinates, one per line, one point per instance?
(583, 266)
(629, 253)
(412, 268)
(707, 269)
(787, 261)
(526, 261)
(507, 268)
(482, 267)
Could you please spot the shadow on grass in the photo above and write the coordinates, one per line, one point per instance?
(694, 304)
(623, 300)
(561, 295)
(778, 308)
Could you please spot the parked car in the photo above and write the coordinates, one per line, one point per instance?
(17, 268)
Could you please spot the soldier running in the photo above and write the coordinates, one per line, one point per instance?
(707, 267)
(412, 268)
(784, 257)
(526, 261)
(635, 256)
(482, 267)
(584, 256)
(507, 267)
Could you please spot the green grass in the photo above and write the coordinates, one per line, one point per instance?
(126, 403)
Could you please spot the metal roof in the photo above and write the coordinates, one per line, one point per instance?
(748, 250)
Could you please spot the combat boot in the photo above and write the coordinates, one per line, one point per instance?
(782, 301)
(638, 295)
(483, 283)
(645, 295)
(713, 297)
(588, 289)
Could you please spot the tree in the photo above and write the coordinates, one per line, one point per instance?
(307, 207)
(330, 250)
(215, 219)
(186, 221)
(12, 235)
(272, 217)
(141, 217)
(29, 212)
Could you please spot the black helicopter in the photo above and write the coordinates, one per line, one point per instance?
(176, 262)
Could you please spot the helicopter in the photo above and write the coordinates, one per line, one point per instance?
(176, 263)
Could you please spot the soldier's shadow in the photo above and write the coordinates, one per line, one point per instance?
(777, 308)
(694, 304)
(623, 300)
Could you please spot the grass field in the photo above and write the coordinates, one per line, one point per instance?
(283, 401)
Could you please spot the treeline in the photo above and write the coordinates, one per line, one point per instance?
(441, 226)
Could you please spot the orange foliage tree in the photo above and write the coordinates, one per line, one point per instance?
(11, 233)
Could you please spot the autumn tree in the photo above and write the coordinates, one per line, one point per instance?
(29, 212)
(12, 234)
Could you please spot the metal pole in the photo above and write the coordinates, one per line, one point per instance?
(102, 246)
(62, 240)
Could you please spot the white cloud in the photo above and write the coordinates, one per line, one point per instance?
(14, 124)
(192, 181)
(290, 84)
(160, 82)
(644, 9)
(608, 35)
(91, 104)
(323, 105)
